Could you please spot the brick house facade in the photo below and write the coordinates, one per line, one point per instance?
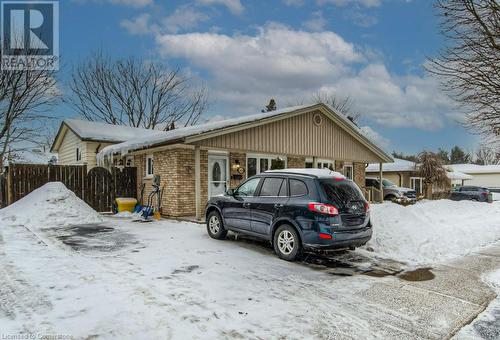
(176, 169)
(196, 162)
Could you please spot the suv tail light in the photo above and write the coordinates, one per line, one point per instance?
(325, 209)
(485, 193)
(367, 207)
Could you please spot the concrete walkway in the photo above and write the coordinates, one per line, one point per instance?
(437, 308)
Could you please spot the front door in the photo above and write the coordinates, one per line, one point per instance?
(217, 175)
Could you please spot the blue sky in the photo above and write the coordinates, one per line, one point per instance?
(246, 52)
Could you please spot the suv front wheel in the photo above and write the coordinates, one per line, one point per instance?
(215, 228)
(287, 243)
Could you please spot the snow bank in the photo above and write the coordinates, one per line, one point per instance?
(49, 206)
(433, 231)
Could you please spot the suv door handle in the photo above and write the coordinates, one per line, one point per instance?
(278, 205)
(246, 205)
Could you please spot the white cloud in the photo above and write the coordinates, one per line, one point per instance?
(366, 3)
(138, 25)
(290, 65)
(361, 19)
(316, 23)
(133, 3)
(294, 3)
(130, 3)
(184, 17)
(375, 136)
(234, 6)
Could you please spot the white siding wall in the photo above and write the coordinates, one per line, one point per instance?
(67, 150)
(485, 180)
(90, 153)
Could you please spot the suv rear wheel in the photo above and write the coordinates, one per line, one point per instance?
(215, 227)
(287, 243)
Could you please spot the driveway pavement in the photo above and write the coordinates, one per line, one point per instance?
(168, 279)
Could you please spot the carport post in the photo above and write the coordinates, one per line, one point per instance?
(315, 162)
(197, 181)
(380, 186)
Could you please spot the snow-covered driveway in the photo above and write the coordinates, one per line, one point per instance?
(169, 280)
(67, 271)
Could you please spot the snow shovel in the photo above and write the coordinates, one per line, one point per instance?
(138, 206)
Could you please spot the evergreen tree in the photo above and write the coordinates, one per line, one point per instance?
(459, 156)
(443, 154)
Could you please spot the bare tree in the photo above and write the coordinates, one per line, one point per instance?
(341, 104)
(486, 155)
(469, 66)
(25, 97)
(136, 93)
(430, 168)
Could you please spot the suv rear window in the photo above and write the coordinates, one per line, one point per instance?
(271, 186)
(297, 188)
(341, 192)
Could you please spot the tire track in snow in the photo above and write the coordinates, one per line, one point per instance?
(19, 298)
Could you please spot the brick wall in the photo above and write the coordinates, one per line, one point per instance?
(359, 174)
(296, 162)
(204, 179)
(176, 169)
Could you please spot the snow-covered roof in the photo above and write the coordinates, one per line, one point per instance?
(457, 175)
(320, 173)
(404, 165)
(398, 165)
(105, 132)
(179, 134)
(475, 169)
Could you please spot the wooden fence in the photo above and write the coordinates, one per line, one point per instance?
(98, 187)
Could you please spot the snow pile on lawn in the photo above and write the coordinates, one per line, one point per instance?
(50, 206)
(433, 231)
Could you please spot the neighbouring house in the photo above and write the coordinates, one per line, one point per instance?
(202, 161)
(78, 141)
(483, 175)
(405, 174)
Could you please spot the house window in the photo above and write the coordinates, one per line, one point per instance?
(260, 163)
(348, 172)
(149, 166)
(322, 164)
(78, 154)
(416, 184)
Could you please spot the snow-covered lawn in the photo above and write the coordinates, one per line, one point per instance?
(65, 269)
(433, 231)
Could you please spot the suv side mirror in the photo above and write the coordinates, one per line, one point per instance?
(230, 192)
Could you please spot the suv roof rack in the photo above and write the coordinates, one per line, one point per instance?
(311, 172)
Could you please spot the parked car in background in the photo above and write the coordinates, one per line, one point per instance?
(471, 193)
(296, 210)
(391, 190)
(495, 193)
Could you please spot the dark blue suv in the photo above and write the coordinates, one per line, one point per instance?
(294, 209)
